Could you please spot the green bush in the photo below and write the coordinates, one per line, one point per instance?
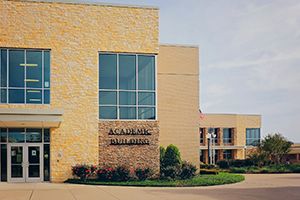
(209, 171)
(207, 166)
(170, 172)
(121, 173)
(188, 170)
(171, 157)
(241, 163)
(223, 164)
(143, 174)
(238, 170)
(105, 174)
(83, 171)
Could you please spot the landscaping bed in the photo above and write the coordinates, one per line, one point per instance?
(199, 180)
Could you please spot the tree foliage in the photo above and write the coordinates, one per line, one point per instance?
(273, 147)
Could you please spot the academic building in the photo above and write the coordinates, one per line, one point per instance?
(89, 83)
(235, 136)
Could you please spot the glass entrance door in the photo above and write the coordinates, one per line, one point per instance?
(16, 157)
(25, 163)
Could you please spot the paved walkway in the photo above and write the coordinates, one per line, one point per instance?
(255, 187)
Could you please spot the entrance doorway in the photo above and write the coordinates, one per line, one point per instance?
(24, 154)
(25, 162)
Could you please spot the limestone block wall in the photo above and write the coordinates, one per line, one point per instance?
(75, 33)
(133, 155)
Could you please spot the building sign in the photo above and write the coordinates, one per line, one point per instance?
(129, 132)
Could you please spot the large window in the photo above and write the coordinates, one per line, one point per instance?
(227, 154)
(227, 135)
(252, 136)
(127, 86)
(25, 76)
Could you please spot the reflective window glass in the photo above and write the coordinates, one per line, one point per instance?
(3, 65)
(34, 96)
(146, 98)
(127, 98)
(127, 72)
(16, 96)
(107, 71)
(46, 96)
(34, 69)
(107, 98)
(108, 112)
(127, 113)
(16, 135)
(146, 113)
(16, 68)
(146, 72)
(46, 69)
(3, 135)
(33, 135)
(46, 135)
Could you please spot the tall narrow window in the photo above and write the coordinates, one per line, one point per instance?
(127, 86)
(25, 76)
(227, 135)
(252, 136)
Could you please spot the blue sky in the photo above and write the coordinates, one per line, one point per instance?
(249, 55)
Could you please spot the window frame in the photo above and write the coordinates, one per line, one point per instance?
(137, 90)
(228, 140)
(258, 139)
(25, 88)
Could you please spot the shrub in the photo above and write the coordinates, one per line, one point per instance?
(238, 170)
(171, 157)
(207, 166)
(188, 170)
(121, 173)
(170, 172)
(241, 163)
(83, 171)
(105, 174)
(143, 174)
(209, 171)
(223, 164)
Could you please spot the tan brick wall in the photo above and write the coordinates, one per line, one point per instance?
(178, 99)
(236, 121)
(132, 156)
(75, 33)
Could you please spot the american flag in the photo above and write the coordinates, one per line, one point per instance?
(201, 115)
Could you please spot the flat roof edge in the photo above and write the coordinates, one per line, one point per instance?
(232, 114)
(179, 45)
(92, 3)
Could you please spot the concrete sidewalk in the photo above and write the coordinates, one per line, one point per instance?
(269, 186)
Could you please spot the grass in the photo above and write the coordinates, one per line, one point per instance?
(199, 180)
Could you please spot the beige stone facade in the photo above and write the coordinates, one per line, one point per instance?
(238, 124)
(75, 33)
(178, 99)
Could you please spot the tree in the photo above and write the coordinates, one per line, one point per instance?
(171, 156)
(274, 147)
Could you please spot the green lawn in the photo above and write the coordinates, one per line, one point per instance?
(200, 180)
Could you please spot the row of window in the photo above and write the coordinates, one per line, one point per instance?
(227, 155)
(127, 86)
(24, 76)
(227, 135)
(22, 135)
(252, 136)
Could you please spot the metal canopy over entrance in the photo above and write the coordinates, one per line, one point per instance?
(16, 117)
